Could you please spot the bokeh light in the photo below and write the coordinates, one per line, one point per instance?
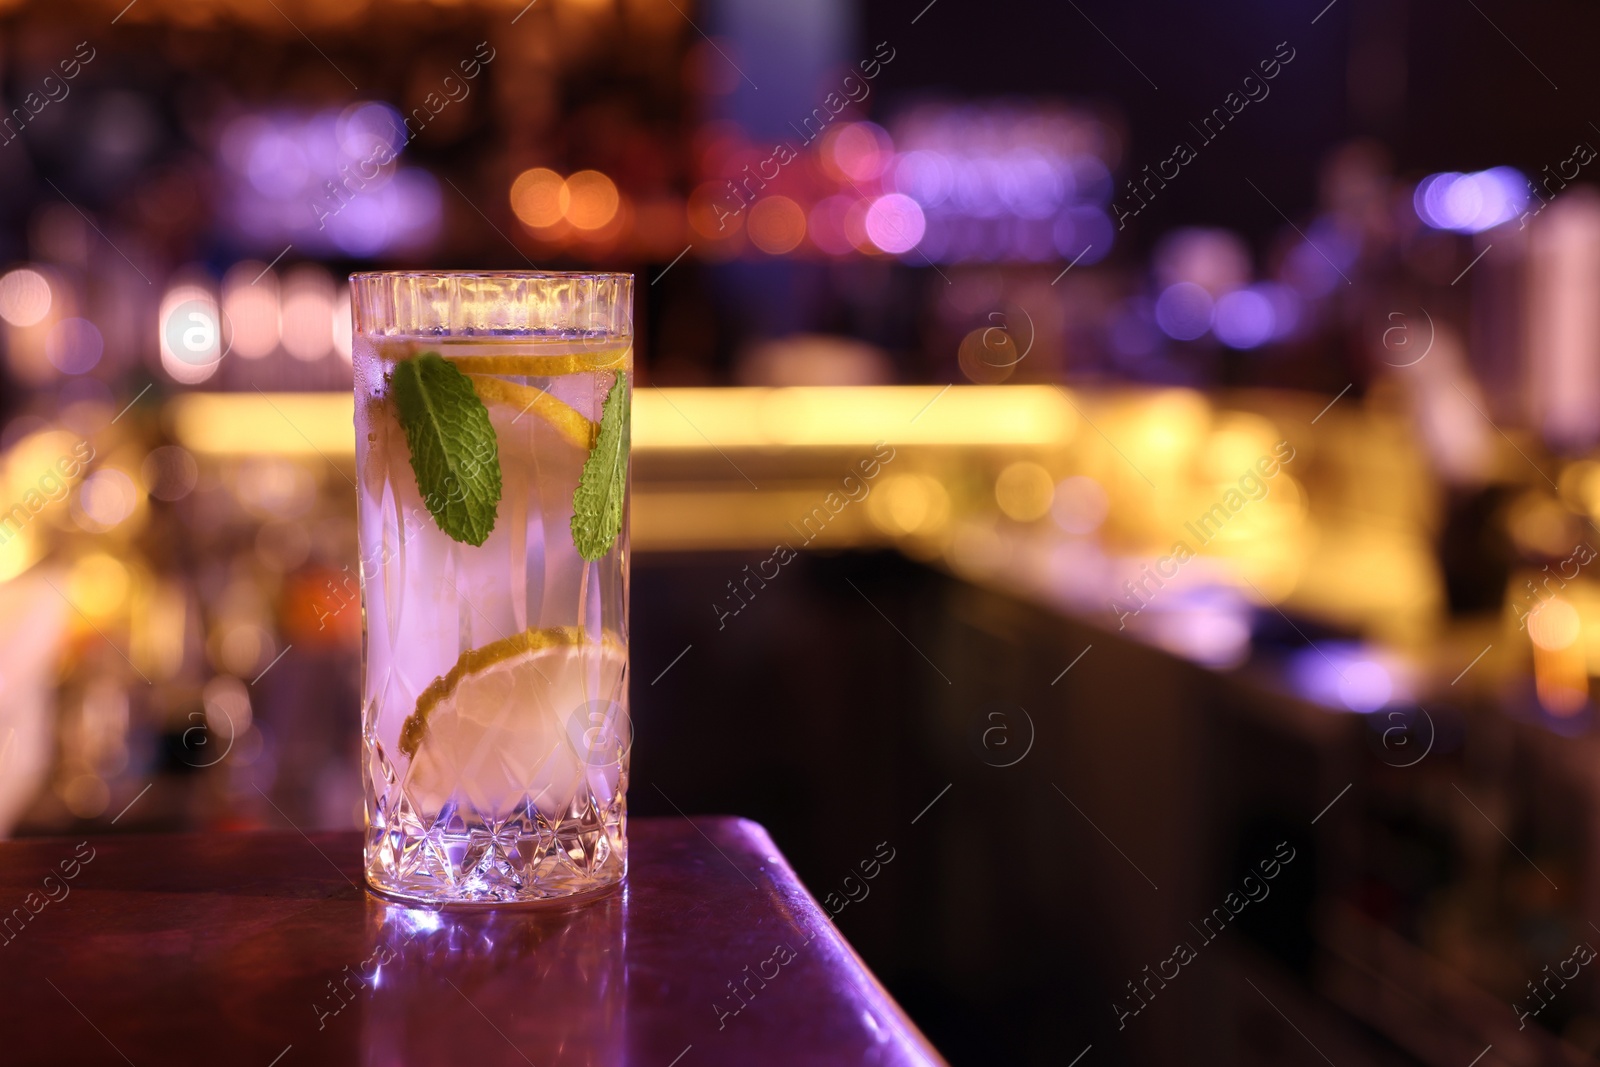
(1350, 676)
(1083, 235)
(308, 312)
(1365, 686)
(860, 150)
(343, 325)
(827, 225)
(365, 129)
(589, 199)
(988, 355)
(86, 795)
(1024, 491)
(1029, 186)
(536, 197)
(909, 504)
(894, 223)
(242, 647)
(1554, 624)
(1243, 319)
(74, 346)
(250, 301)
(189, 368)
(98, 584)
(713, 212)
(169, 472)
(924, 176)
(1005, 183)
(777, 225)
(228, 713)
(105, 500)
(24, 297)
(1287, 307)
(1080, 505)
(1471, 203)
(1183, 311)
(326, 181)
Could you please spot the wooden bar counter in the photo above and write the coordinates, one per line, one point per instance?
(264, 950)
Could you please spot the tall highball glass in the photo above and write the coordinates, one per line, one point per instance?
(492, 452)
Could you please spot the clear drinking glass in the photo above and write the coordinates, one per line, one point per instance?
(492, 452)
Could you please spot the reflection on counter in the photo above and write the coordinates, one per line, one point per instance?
(552, 979)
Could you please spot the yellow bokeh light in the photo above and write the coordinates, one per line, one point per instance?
(1024, 491)
(1171, 423)
(1554, 624)
(589, 199)
(536, 197)
(98, 585)
(909, 504)
(1237, 441)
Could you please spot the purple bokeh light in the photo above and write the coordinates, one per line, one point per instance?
(1005, 183)
(328, 182)
(1471, 203)
(1183, 311)
(74, 346)
(1243, 319)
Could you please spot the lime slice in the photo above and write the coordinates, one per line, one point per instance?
(531, 400)
(508, 722)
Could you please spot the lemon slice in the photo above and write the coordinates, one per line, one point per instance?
(530, 399)
(610, 358)
(517, 720)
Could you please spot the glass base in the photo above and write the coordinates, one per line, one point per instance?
(519, 860)
(575, 899)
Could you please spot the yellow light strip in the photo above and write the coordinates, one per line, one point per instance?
(278, 424)
(821, 416)
(678, 419)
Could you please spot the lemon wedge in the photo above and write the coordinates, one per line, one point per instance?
(610, 358)
(530, 399)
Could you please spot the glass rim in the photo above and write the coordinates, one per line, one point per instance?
(364, 275)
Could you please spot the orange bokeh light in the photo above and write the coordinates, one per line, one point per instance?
(536, 197)
(715, 212)
(855, 228)
(777, 225)
(589, 200)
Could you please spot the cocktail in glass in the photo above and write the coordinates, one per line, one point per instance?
(492, 455)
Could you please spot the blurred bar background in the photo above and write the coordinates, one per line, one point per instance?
(1216, 420)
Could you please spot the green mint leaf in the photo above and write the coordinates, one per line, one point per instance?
(597, 502)
(453, 449)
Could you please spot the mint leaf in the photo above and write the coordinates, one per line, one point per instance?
(597, 502)
(453, 449)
